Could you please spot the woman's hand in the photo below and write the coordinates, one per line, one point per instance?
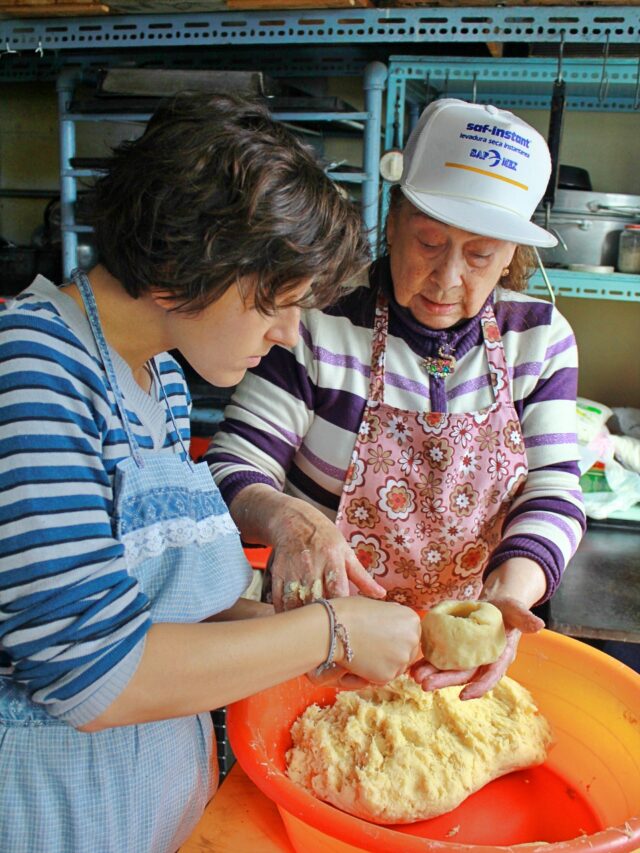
(518, 620)
(339, 677)
(384, 638)
(311, 559)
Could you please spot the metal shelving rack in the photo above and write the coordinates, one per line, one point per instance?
(370, 120)
(36, 48)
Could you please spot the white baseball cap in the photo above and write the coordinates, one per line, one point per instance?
(478, 168)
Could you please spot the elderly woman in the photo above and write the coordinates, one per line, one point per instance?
(419, 441)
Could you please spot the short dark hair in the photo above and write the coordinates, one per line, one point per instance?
(214, 191)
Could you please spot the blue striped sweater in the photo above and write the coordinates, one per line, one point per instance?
(69, 610)
(293, 421)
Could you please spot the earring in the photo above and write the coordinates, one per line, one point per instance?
(505, 272)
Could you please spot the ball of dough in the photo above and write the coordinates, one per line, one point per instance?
(462, 634)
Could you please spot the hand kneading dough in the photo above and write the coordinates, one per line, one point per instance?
(462, 634)
(396, 754)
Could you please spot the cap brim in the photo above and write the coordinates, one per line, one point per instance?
(480, 218)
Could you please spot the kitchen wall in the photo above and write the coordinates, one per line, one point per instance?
(603, 143)
(608, 336)
(28, 154)
(29, 151)
(608, 332)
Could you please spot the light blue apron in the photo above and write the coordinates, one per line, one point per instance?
(133, 789)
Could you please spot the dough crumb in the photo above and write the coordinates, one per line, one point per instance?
(297, 591)
(397, 754)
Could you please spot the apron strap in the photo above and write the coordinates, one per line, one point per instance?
(156, 373)
(378, 350)
(82, 283)
(494, 348)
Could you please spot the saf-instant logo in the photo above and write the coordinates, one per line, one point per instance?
(502, 138)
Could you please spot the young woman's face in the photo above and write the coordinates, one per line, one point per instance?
(440, 273)
(229, 336)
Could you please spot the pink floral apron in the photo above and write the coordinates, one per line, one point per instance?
(426, 493)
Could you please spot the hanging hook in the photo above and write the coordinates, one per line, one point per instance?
(474, 88)
(445, 90)
(544, 275)
(427, 83)
(604, 80)
(397, 129)
(560, 56)
(40, 49)
(7, 50)
(636, 96)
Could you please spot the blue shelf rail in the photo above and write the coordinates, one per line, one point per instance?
(596, 84)
(602, 84)
(618, 287)
(35, 49)
(621, 24)
(370, 119)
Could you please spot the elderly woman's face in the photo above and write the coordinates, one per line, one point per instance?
(440, 273)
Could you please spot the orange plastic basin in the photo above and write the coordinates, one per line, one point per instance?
(198, 447)
(586, 797)
(257, 556)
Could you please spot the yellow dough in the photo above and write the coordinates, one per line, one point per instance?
(462, 634)
(396, 754)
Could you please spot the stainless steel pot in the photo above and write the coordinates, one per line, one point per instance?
(588, 226)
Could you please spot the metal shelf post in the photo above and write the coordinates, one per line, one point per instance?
(68, 187)
(374, 82)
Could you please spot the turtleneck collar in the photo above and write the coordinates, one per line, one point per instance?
(459, 339)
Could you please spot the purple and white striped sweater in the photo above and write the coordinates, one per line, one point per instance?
(292, 422)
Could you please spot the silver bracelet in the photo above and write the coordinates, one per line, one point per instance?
(338, 632)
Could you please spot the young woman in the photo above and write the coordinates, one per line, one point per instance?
(121, 622)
